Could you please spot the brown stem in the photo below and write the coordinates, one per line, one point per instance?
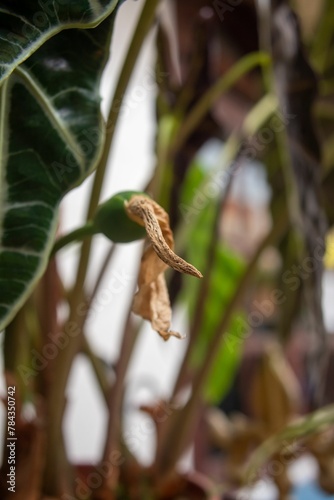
(54, 466)
(181, 427)
(114, 435)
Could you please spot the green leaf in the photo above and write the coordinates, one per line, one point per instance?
(51, 137)
(25, 25)
(226, 272)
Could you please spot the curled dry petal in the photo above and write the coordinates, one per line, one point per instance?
(149, 214)
(152, 300)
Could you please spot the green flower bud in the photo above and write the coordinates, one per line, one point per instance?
(112, 220)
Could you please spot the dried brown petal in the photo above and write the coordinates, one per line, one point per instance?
(151, 301)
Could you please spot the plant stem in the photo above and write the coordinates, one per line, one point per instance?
(54, 466)
(183, 425)
(106, 262)
(96, 362)
(195, 116)
(202, 296)
(254, 120)
(74, 236)
(144, 24)
(98, 368)
(115, 399)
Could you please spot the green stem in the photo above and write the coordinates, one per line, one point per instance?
(54, 466)
(98, 368)
(144, 24)
(246, 64)
(74, 236)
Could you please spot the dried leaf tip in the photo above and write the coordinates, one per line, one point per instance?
(153, 217)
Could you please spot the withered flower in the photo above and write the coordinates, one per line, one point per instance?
(151, 302)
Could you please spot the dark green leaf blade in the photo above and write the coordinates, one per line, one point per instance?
(51, 137)
(26, 25)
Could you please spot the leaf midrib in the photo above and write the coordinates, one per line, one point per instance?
(4, 104)
(45, 102)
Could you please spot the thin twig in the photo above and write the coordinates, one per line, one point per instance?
(65, 358)
(114, 435)
(106, 262)
(73, 237)
(98, 368)
(96, 362)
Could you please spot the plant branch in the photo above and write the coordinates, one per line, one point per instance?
(74, 236)
(106, 262)
(144, 25)
(254, 120)
(98, 369)
(115, 399)
(65, 358)
(184, 423)
(96, 362)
